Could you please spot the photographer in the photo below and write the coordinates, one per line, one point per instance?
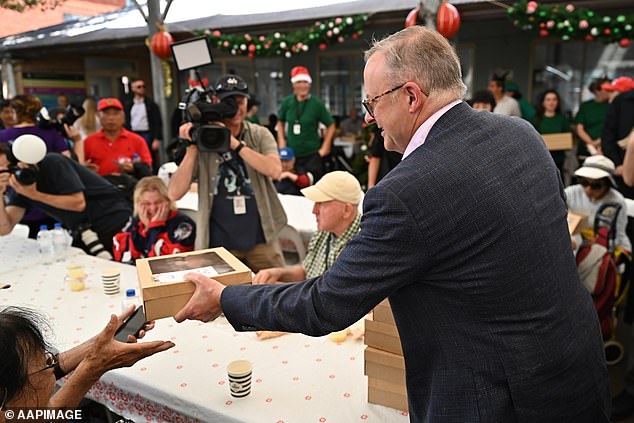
(88, 205)
(26, 108)
(244, 213)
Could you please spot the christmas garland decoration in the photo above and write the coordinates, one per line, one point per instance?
(321, 34)
(569, 23)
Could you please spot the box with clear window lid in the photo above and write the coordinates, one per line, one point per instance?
(162, 279)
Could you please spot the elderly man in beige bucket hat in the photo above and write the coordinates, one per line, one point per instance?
(337, 196)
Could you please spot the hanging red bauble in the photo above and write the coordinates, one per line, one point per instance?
(447, 20)
(543, 33)
(161, 44)
(589, 37)
(322, 46)
(624, 42)
(607, 31)
(251, 55)
(251, 48)
(410, 20)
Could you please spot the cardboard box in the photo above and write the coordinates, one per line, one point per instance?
(560, 141)
(383, 393)
(383, 336)
(383, 313)
(165, 292)
(384, 366)
(576, 222)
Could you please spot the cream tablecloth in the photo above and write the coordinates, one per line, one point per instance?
(296, 378)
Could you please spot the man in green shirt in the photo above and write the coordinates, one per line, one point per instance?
(298, 125)
(590, 117)
(337, 196)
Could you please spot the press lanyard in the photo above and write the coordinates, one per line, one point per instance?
(299, 113)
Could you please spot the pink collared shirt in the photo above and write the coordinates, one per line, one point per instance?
(421, 133)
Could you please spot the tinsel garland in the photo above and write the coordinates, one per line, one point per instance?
(320, 34)
(567, 22)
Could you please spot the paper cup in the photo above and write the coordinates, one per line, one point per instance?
(110, 280)
(239, 372)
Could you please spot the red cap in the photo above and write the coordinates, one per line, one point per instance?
(300, 73)
(106, 103)
(620, 84)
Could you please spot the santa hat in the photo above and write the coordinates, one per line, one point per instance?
(300, 73)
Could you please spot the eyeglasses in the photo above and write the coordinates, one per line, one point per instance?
(369, 104)
(52, 360)
(592, 184)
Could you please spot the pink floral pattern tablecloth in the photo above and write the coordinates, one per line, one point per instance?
(296, 378)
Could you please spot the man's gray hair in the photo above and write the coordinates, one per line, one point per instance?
(423, 56)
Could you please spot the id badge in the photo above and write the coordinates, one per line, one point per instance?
(239, 204)
(297, 129)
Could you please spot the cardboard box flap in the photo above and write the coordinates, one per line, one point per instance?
(381, 327)
(385, 358)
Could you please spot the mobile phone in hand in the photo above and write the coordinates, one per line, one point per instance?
(131, 326)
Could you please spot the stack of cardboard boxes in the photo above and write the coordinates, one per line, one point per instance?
(384, 363)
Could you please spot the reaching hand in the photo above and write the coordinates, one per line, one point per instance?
(204, 305)
(4, 181)
(107, 353)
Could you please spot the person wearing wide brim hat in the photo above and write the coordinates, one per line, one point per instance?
(298, 126)
(595, 187)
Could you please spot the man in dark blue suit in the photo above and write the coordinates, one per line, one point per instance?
(468, 239)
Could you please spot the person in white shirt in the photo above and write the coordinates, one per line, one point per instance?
(504, 104)
(596, 187)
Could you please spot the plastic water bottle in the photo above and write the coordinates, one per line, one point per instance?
(60, 242)
(130, 299)
(45, 245)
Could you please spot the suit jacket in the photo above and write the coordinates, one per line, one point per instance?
(618, 124)
(153, 116)
(468, 239)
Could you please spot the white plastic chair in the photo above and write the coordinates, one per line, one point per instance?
(290, 233)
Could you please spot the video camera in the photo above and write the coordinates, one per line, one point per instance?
(71, 114)
(197, 106)
(25, 176)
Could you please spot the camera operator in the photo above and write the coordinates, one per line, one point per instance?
(88, 205)
(26, 108)
(237, 202)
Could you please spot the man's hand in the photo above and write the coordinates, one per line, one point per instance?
(204, 305)
(4, 181)
(107, 353)
(29, 191)
(156, 144)
(265, 276)
(183, 130)
(92, 166)
(72, 133)
(324, 151)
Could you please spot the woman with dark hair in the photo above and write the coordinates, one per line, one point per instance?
(30, 365)
(550, 120)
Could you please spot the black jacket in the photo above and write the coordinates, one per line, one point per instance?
(153, 116)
